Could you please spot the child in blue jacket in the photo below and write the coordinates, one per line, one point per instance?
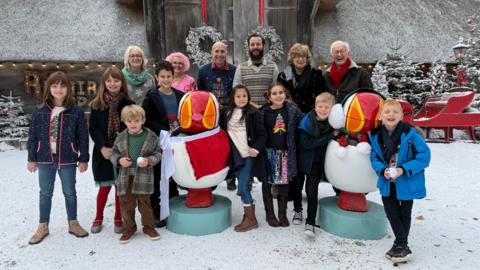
(399, 157)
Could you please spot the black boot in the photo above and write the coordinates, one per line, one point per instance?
(269, 213)
(282, 211)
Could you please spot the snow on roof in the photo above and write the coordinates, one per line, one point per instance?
(87, 30)
(427, 29)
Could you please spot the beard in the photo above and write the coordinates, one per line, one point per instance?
(254, 57)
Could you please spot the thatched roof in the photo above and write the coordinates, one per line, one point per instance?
(427, 29)
(87, 30)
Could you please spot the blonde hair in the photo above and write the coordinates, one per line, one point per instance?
(391, 102)
(325, 97)
(127, 54)
(132, 112)
(298, 49)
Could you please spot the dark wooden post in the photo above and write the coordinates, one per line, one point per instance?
(154, 14)
(304, 24)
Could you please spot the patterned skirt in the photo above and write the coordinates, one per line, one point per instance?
(277, 168)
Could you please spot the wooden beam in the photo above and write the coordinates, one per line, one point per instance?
(154, 19)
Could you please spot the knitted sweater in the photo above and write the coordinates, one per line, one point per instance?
(256, 78)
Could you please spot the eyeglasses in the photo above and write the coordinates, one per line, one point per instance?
(300, 56)
(135, 56)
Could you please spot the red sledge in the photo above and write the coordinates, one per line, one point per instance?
(447, 113)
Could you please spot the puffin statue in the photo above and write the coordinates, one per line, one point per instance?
(347, 161)
(201, 150)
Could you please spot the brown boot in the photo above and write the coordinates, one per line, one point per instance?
(249, 221)
(42, 232)
(282, 211)
(270, 215)
(75, 229)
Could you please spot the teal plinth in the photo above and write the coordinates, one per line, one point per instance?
(199, 221)
(371, 225)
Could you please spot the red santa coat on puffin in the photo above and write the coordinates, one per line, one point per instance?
(198, 158)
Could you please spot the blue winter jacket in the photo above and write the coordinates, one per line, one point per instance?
(72, 146)
(308, 144)
(413, 157)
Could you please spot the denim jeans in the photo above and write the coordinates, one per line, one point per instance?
(46, 179)
(243, 176)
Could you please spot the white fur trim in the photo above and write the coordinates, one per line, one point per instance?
(364, 148)
(337, 117)
(184, 174)
(340, 152)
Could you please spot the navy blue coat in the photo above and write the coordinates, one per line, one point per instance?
(308, 143)
(156, 114)
(102, 168)
(72, 146)
(256, 137)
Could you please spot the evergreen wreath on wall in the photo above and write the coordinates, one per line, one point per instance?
(269, 33)
(195, 35)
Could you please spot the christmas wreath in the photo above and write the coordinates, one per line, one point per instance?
(276, 45)
(199, 56)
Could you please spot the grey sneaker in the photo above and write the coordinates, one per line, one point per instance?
(297, 218)
(309, 231)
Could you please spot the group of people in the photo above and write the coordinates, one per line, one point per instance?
(278, 129)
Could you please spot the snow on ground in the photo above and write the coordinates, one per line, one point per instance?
(445, 238)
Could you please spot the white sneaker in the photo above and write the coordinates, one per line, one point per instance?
(297, 218)
(309, 231)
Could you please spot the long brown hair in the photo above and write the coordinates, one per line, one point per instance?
(231, 102)
(58, 77)
(268, 93)
(98, 103)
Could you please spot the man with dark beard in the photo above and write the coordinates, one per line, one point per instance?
(257, 74)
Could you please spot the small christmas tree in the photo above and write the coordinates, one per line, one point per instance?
(441, 80)
(406, 80)
(379, 80)
(471, 63)
(13, 122)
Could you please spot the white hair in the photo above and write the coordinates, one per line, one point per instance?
(127, 53)
(339, 42)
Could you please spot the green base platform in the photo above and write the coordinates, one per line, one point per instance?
(199, 221)
(371, 225)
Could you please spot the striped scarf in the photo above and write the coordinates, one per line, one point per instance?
(113, 117)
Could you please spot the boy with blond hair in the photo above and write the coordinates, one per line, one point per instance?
(136, 150)
(315, 133)
(399, 157)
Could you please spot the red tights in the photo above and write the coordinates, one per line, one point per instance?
(102, 197)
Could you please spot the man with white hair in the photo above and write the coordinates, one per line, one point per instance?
(217, 76)
(344, 75)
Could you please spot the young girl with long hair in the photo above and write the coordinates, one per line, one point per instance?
(105, 124)
(246, 132)
(281, 119)
(58, 143)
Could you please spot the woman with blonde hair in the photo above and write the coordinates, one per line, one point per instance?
(139, 79)
(181, 65)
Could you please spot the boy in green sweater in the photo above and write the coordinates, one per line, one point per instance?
(136, 150)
